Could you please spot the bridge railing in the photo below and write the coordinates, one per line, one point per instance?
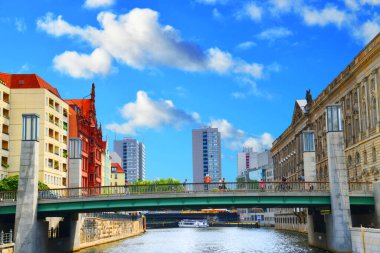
(214, 187)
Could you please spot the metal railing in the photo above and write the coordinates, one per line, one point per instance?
(6, 238)
(214, 187)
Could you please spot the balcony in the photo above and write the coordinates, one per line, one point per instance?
(51, 118)
(4, 162)
(65, 114)
(64, 153)
(56, 107)
(56, 165)
(56, 150)
(6, 113)
(5, 145)
(5, 129)
(64, 126)
(50, 163)
(64, 167)
(6, 97)
(51, 103)
(64, 139)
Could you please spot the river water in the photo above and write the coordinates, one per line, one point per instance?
(218, 240)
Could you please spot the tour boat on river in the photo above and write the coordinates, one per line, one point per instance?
(193, 224)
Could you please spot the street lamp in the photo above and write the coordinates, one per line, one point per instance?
(30, 127)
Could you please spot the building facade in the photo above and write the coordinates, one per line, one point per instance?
(132, 156)
(26, 94)
(356, 88)
(246, 159)
(206, 154)
(106, 164)
(84, 125)
(117, 175)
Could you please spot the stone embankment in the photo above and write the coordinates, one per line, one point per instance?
(98, 230)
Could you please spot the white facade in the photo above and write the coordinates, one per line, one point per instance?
(132, 158)
(247, 159)
(206, 154)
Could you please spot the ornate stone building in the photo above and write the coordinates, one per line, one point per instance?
(356, 88)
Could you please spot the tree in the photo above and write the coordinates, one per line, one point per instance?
(11, 184)
(160, 185)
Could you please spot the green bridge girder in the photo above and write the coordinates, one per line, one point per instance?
(62, 206)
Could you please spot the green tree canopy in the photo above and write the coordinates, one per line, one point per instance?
(11, 184)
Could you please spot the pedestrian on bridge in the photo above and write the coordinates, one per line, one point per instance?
(184, 185)
(126, 186)
(207, 180)
(262, 185)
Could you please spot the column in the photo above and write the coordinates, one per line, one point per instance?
(75, 166)
(26, 227)
(338, 223)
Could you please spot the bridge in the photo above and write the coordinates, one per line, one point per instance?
(57, 202)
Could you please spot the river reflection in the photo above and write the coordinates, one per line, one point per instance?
(218, 240)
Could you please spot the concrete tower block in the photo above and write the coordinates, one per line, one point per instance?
(27, 196)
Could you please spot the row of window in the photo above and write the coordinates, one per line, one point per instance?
(56, 106)
(55, 180)
(290, 220)
(358, 159)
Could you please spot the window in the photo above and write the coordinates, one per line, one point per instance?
(373, 154)
(365, 157)
(357, 158)
(349, 161)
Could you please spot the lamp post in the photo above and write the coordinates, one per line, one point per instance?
(27, 234)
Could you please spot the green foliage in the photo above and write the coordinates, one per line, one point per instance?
(160, 185)
(11, 184)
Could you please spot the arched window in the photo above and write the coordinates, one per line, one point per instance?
(357, 158)
(373, 154)
(374, 113)
(349, 161)
(364, 116)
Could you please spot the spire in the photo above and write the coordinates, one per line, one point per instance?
(93, 92)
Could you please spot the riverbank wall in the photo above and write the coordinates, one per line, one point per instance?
(365, 240)
(95, 229)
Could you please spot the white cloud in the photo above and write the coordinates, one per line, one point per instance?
(212, 2)
(352, 4)
(128, 39)
(275, 33)
(98, 3)
(370, 2)
(253, 11)
(367, 31)
(20, 24)
(24, 69)
(281, 6)
(246, 45)
(250, 88)
(328, 15)
(83, 65)
(235, 139)
(216, 14)
(259, 144)
(146, 113)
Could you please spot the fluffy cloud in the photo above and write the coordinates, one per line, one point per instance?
(246, 45)
(367, 31)
(83, 65)
(235, 139)
(252, 11)
(128, 39)
(328, 15)
(275, 33)
(20, 24)
(146, 113)
(98, 3)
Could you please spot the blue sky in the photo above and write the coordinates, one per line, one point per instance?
(162, 68)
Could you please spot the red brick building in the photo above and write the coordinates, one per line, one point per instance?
(83, 124)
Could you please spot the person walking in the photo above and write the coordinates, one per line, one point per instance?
(184, 184)
(262, 185)
(220, 186)
(126, 187)
(207, 180)
(224, 184)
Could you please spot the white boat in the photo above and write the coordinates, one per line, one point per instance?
(193, 224)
